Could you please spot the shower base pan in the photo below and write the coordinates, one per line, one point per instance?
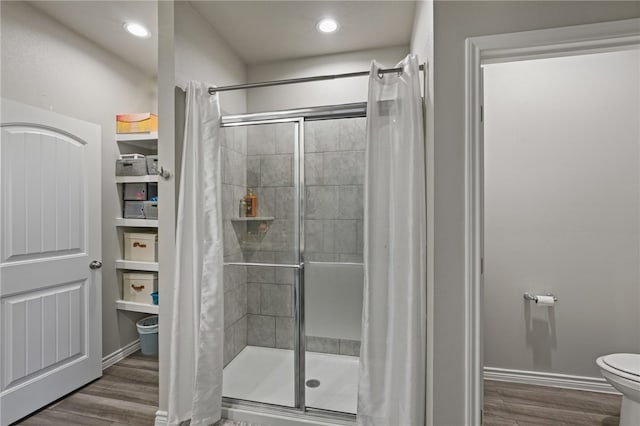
(266, 375)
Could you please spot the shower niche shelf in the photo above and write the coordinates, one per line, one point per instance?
(250, 231)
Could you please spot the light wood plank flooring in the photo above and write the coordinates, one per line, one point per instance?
(513, 404)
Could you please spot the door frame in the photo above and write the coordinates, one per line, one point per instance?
(510, 47)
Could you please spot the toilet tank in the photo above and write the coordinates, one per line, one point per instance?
(333, 299)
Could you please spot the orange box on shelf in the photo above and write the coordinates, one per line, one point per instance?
(136, 123)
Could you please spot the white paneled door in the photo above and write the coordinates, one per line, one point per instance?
(50, 307)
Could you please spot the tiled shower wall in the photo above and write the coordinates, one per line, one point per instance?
(334, 178)
(234, 180)
(270, 172)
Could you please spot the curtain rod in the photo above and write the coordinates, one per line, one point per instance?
(213, 90)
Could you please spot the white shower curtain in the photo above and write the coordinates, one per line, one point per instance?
(392, 378)
(195, 375)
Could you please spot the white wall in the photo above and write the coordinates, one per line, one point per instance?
(168, 96)
(454, 22)
(201, 54)
(188, 49)
(422, 45)
(330, 92)
(46, 65)
(562, 211)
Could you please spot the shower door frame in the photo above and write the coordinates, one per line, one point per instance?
(298, 266)
(298, 117)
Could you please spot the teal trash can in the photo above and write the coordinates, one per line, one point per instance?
(148, 331)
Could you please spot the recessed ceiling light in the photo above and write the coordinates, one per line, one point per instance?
(137, 30)
(327, 25)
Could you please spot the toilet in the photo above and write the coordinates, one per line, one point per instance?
(623, 372)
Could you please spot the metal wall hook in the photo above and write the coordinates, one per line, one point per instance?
(164, 173)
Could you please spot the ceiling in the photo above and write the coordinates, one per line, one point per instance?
(102, 22)
(258, 31)
(265, 31)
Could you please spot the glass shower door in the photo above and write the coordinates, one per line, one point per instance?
(334, 272)
(293, 273)
(261, 203)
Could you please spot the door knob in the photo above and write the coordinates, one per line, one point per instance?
(96, 264)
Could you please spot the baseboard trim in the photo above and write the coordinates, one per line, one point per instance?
(120, 354)
(162, 418)
(590, 384)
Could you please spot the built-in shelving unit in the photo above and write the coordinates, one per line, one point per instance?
(134, 265)
(143, 143)
(136, 223)
(124, 305)
(139, 140)
(137, 137)
(136, 179)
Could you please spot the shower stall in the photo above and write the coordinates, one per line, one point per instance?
(293, 274)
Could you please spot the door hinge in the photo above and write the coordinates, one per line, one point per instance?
(481, 265)
(482, 113)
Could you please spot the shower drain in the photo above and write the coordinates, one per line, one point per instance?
(313, 383)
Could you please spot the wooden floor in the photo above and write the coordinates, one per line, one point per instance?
(126, 394)
(512, 404)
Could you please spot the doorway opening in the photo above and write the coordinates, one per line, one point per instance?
(561, 229)
(503, 48)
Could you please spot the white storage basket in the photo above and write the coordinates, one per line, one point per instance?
(137, 287)
(141, 247)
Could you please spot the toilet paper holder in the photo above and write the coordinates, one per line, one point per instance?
(534, 298)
